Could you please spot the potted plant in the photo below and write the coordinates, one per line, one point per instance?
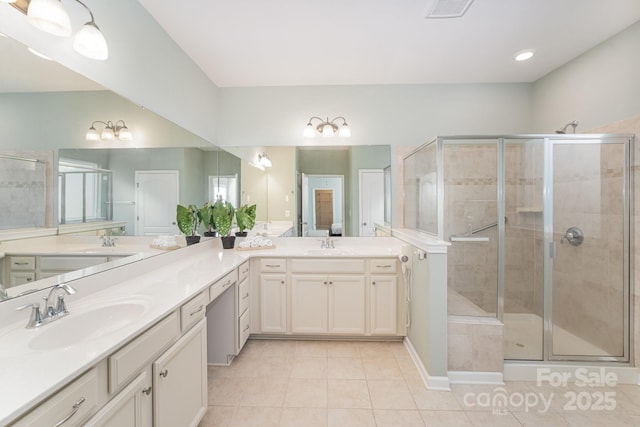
(246, 219)
(206, 217)
(223, 213)
(188, 219)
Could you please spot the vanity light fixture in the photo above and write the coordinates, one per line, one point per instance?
(111, 131)
(264, 160)
(327, 128)
(51, 17)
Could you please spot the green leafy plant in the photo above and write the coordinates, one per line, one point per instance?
(246, 217)
(206, 217)
(188, 219)
(223, 213)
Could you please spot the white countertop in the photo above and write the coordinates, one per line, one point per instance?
(163, 283)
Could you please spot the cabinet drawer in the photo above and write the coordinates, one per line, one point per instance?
(383, 265)
(243, 271)
(330, 266)
(244, 324)
(17, 278)
(222, 285)
(22, 263)
(243, 297)
(193, 310)
(74, 403)
(127, 361)
(69, 263)
(273, 265)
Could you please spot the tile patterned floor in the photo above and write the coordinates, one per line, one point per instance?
(352, 384)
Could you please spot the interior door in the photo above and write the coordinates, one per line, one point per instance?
(156, 200)
(371, 200)
(323, 209)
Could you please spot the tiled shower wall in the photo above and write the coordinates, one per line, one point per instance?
(25, 190)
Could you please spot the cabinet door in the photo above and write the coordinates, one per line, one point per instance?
(346, 304)
(309, 303)
(384, 305)
(17, 278)
(129, 408)
(273, 303)
(180, 381)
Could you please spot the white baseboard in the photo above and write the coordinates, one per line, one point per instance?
(432, 382)
(473, 377)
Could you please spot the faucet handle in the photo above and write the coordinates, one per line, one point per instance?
(36, 318)
(61, 307)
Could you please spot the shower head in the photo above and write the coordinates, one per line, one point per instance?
(573, 124)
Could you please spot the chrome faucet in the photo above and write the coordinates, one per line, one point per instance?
(108, 241)
(51, 312)
(3, 293)
(327, 243)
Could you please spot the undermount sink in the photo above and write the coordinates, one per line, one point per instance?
(329, 251)
(88, 325)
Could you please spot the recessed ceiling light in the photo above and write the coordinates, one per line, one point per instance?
(524, 55)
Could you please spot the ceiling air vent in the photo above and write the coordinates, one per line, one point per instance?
(449, 8)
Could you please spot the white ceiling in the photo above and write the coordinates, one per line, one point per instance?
(310, 42)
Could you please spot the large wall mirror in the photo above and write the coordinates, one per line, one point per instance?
(51, 177)
(320, 191)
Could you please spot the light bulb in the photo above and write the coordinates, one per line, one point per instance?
(107, 134)
(124, 134)
(309, 131)
(49, 16)
(345, 131)
(92, 134)
(90, 42)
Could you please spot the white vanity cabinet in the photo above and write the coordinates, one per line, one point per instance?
(383, 290)
(329, 296)
(273, 295)
(21, 269)
(243, 298)
(327, 304)
(131, 407)
(180, 381)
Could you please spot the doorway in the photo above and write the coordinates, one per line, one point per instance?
(156, 200)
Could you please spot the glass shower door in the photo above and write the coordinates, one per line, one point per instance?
(586, 287)
(523, 249)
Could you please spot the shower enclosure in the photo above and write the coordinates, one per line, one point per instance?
(540, 237)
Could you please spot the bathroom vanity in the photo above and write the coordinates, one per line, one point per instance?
(133, 350)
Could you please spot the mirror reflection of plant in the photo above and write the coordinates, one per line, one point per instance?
(188, 219)
(246, 217)
(223, 213)
(206, 217)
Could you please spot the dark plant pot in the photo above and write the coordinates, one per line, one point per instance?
(241, 234)
(228, 242)
(192, 239)
(209, 234)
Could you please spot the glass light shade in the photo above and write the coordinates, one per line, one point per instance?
(124, 134)
(265, 161)
(49, 16)
(107, 133)
(327, 130)
(309, 131)
(90, 42)
(92, 134)
(7, 1)
(344, 131)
